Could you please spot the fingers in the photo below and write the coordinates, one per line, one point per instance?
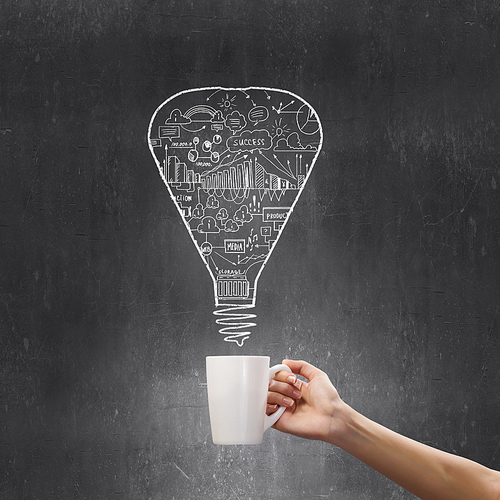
(275, 398)
(302, 368)
(288, 378)
(270, 409)
(285, 389)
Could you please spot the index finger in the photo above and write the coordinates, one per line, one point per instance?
(286, 376)
(303, 368)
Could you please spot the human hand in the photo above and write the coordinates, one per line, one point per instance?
(314, 408)
(317, 412)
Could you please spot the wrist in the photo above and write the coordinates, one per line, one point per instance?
(341, 425)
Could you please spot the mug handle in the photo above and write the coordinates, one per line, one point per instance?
(272, 419)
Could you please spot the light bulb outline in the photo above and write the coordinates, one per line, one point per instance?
(244, 127)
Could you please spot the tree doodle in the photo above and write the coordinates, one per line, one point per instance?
(235, 161)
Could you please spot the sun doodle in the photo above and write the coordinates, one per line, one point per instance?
(227, 102)
(279, 128)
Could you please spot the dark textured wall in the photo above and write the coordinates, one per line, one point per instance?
(387, 276)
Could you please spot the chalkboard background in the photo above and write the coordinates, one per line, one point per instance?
(387, 276)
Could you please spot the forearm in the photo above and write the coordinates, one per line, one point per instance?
(426, 472)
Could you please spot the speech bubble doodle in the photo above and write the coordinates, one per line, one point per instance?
(235, 121)
(258, 114)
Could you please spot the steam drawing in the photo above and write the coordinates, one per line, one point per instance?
(235, 161)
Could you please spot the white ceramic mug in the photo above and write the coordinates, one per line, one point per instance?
(237, 396)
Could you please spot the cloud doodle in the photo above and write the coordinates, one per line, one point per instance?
(178, 118)
(208, 225)
(231, 226)
(242, 215)
(249, 141)
(198, 211)
(235, 121)
(292, 143)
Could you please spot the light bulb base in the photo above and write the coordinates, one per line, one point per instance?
(235, 321)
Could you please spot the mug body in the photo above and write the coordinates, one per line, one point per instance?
(237, 394)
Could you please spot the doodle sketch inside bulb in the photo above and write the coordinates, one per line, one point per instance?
(235, 161)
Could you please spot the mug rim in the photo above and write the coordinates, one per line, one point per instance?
(237, 356)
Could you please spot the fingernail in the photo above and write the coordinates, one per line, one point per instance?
(287, 402)
(291, 379)
(297, 394)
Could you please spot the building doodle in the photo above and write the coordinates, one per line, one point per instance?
(235, 161)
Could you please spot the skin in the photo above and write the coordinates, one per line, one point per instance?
(316, 411)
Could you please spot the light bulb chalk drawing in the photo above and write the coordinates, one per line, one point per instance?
(235, 161)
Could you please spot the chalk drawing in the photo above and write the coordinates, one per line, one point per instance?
(235, 161)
